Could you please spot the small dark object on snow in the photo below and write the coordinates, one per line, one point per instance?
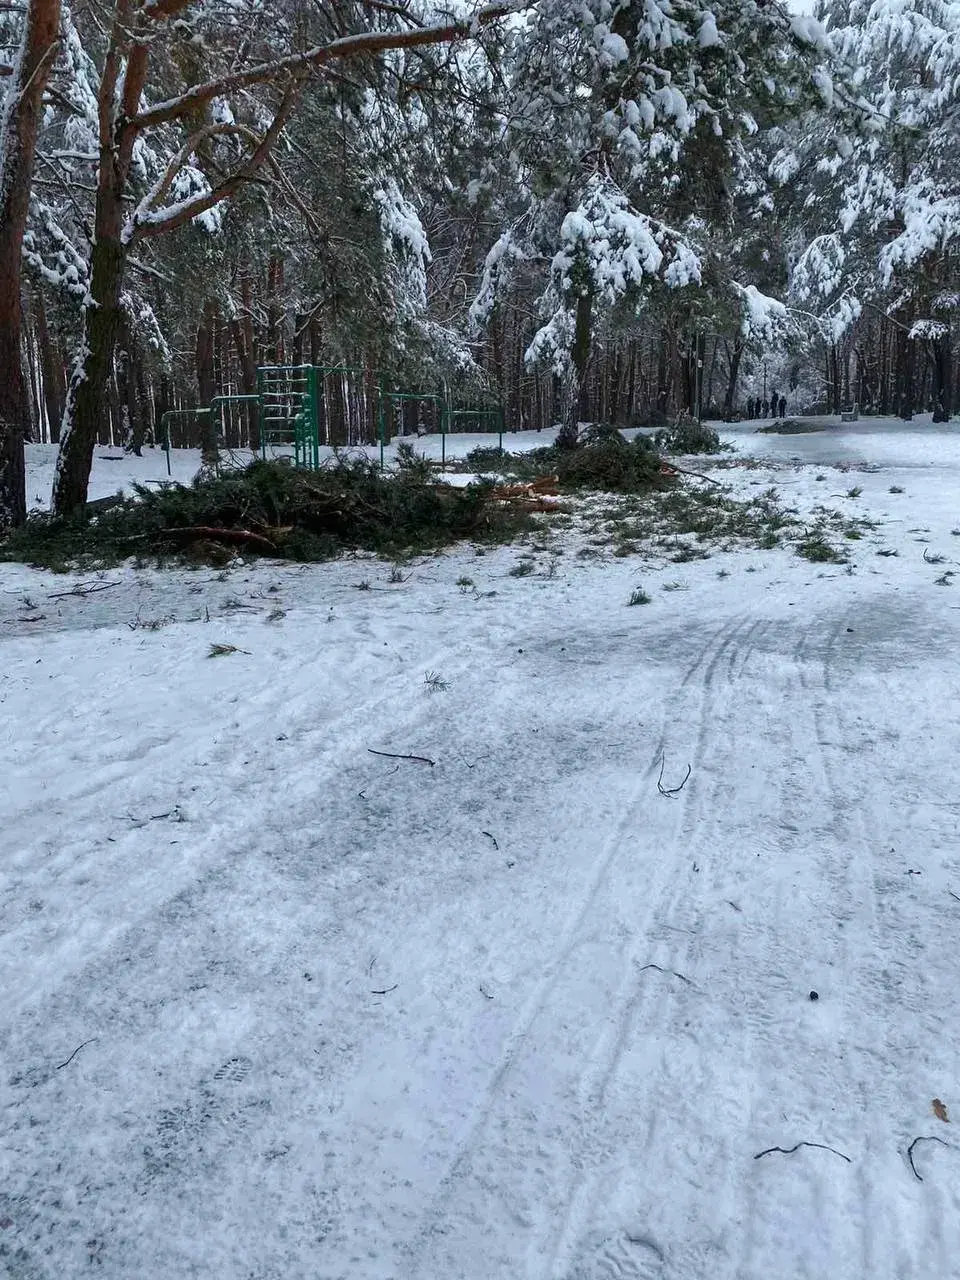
(75, 1052)
(788, 1151)
(814, 995)
(671, 791)
(660, 969)
(849, 630)
(910, 1152)
(390, 755)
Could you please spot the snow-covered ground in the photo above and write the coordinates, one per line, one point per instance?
(503, 1011)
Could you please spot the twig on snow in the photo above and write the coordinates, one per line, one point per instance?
(954, 895)
(363, 794)
(659, 969)
(393, 755)
(386, 990)
(788, 1151)
(698, 474)
(671, 791)
(486, 994)
(931, 1138)
(492, 837)
(475, 763)
(81, 590)
(76, 1051)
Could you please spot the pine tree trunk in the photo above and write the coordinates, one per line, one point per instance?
(836, 390)
(18, 130)
(730, 397)
(31, 431)
(121, 85)
(906, 362)
(85, 413)
(51, 364)
(206, 383)
(575, 389)
(942, 374)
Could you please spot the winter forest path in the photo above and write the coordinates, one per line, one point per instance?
(514, 1015)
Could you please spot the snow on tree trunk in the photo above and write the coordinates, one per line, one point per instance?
(18, 140)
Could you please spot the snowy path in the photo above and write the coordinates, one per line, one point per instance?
(515, 1015)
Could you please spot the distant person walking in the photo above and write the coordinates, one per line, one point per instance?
(783, 406)
(766, 409)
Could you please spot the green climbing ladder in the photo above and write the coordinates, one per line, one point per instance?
(289, 412)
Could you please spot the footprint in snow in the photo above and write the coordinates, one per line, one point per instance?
(234, 1070)
(621, 1256)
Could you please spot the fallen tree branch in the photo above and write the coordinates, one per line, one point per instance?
(671, 791)
(673, 972)
(238, 536)
(83, 1046)
(392, 755)
(492, 837)
(386, 990)
(788, 1151)
(931, 1138)
(697, 474)
(83, 591)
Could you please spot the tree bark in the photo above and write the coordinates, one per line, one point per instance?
(206, 382)
(84, 415)
(730, 398)
(942, 379)
(18, 130)
(51, 366)
(906, 367)
(576, 391)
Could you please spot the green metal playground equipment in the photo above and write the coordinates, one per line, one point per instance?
(291, 401)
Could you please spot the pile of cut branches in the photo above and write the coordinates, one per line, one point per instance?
(536, 495)
(271, 508)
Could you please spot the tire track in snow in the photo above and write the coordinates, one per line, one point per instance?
(832, 1060)
(653, 1000)
(876, 977)
(851, 880)
(484, 1158)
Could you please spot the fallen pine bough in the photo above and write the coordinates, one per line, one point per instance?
(536, 495)
(208, 533)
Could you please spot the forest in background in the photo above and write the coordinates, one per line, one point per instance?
(590, 211)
